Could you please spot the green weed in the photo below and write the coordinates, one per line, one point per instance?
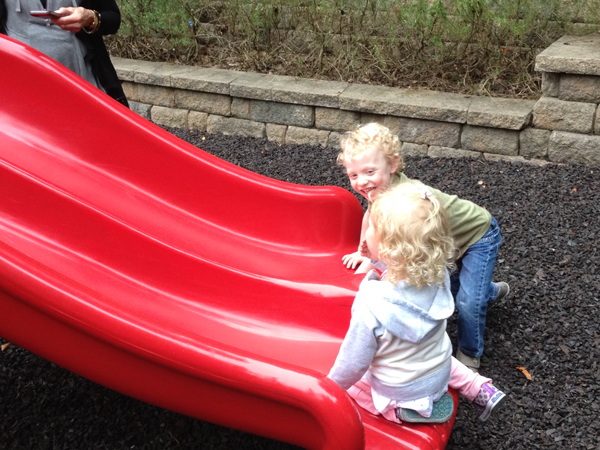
(470, 46)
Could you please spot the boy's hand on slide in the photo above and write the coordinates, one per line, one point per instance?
(352, 260)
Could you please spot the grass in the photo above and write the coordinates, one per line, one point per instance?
(484, 47)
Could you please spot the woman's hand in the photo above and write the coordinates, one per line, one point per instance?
(73, 19)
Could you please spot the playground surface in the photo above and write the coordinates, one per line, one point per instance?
(549, 217)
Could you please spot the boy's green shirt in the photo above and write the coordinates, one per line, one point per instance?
(469, 222)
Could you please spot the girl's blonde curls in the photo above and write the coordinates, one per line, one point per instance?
(415, 239)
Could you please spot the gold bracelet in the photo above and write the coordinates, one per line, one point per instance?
(95, 24)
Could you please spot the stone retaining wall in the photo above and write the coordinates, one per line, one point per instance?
(560, 127)
(567, 115)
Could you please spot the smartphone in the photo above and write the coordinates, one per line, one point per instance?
(45, 14)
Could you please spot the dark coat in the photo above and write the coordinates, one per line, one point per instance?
(97, 54)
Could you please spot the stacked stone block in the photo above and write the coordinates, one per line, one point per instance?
(300, 111)
(567, 115)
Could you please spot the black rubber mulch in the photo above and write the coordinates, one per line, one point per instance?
(549, 217)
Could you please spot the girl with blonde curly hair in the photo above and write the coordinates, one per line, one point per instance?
(396, 359)
(414, 236)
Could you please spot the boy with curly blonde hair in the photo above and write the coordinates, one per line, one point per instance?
(371, 156)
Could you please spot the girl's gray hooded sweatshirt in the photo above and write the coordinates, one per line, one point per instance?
(397, 336)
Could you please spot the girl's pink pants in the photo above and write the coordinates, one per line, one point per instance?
(466, 382)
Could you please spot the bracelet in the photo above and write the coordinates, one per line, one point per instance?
(95, 24)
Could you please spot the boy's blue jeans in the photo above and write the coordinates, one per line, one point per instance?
(472, 288)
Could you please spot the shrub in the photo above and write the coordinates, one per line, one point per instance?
(469, 46)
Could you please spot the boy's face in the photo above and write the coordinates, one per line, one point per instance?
(372, 241)
(369, 172)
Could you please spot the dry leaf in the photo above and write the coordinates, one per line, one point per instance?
(4, 346)
(565, 349)
(525, 372)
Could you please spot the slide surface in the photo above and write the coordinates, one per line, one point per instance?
(153, 268)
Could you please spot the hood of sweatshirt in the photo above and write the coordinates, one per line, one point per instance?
(407, 312)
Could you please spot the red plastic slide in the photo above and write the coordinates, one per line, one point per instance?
(144, 264)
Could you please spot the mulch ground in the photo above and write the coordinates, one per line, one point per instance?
(548, 326)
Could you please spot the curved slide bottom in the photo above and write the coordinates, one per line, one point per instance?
(64, 346)
(155, 269)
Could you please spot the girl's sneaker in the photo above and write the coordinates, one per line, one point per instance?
(488, 399)
(442, 412)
